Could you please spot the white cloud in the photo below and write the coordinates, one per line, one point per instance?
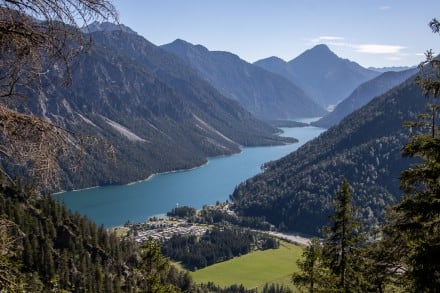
(378, 49)
(385, 7)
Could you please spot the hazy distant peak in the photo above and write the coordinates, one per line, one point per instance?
(271, 60)
(184, 46)
(181, 42)
(263, 93)
(318, 51)
(320, 48)
(106, 27)
(393, 68)
(323, 47)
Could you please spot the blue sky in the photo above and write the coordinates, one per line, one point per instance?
(370, 32)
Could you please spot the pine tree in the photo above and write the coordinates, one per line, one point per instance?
(341, 245)
(381, 265)
(155, 268)
(313, 275)
(419, 211)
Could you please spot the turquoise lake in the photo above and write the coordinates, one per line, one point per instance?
(215, 181)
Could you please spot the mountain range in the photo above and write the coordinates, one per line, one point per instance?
(324, 76)
(154, 109)
(296, 192)
(265, 94)
(161, 112)
(392, 68)
(363, 94)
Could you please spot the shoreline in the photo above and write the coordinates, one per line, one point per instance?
(165, 173)
(76, 190)
(151, 176)
(143, 214)
(241, 147)
(182, 170)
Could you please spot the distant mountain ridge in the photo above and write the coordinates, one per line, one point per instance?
(296, 192)
(363, 94)
(392, 68)
(106, 27)
(323, 75)
(266, 95)
(154, 109)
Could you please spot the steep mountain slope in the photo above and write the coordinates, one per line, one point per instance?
(48, 248)
(266, 95)
(156, 112)
(296, 191)
(323, 75)
(363, 94)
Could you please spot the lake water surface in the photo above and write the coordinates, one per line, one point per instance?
(115, 205)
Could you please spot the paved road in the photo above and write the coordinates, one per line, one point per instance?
(292, 237)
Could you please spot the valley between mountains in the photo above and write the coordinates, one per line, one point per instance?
(135, 159)
(170, 107)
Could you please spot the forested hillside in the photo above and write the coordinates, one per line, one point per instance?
(48, 248)
(153, 110)
(296, 192)
(363, 94)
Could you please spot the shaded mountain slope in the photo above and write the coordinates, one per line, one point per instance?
(323, 75)
(296, 191)
(363, 94)
(155, 111)
(48, 248)
(266, 95)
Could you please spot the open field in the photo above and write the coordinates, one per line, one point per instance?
(254, 269)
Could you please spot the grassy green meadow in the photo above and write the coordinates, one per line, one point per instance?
(254, 269)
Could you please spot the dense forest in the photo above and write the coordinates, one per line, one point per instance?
(47, 248)
(295, 192)
(351, 174)
(216, 245)
(402, 254)
(54, 249)
(219, 214)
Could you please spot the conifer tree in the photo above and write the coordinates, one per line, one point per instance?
(419, 211)
(382, 265)
(341, 245)
(313, 275)
(155, 268)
